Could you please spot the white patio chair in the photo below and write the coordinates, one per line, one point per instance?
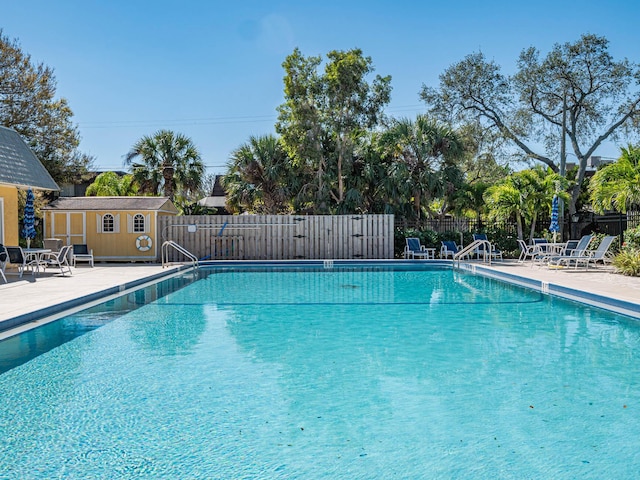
(58, 260)
(527, 251)
(81, 253)
(600, 254)
(554, 261)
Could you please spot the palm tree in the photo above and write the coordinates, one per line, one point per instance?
(169, 161)
(617, 186)
(525, 194)
(422, 150)
(259, 177)
(469, 199)
(505, 200)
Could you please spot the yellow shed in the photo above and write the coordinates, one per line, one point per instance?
(115, 228)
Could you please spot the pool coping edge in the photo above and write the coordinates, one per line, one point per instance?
(36, 315)
(623, 307)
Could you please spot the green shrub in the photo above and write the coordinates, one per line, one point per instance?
(504, 239)
(632, 238)
(627, 262)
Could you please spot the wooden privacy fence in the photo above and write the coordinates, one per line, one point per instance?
(279, 237)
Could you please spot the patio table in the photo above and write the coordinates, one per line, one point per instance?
(551, 248)
(34, 255)
(425, 253)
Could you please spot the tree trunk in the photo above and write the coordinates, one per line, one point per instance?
(575, 191)
(519, 226)
(532, 231)
(340, 179)
(167, 173)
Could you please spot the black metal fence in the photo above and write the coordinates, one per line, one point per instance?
(574, 226)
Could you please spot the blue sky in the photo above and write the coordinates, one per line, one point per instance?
(213, 69)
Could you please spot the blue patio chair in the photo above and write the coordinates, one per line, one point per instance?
(414, 249)
(450, 248)
(494, 251)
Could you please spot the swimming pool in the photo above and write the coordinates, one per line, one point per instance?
(380, 372)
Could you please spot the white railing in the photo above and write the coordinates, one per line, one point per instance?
(472, 247)
(171, 244)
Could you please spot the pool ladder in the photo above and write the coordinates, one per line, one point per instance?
(180, 249)
(470, 248)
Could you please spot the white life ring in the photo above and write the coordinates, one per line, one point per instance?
(147, 246)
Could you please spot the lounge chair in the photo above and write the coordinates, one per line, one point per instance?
(494, 251)
(414, 249)
(81, 253)
(578, 251)
(545, 255)
(569, 247)
(450, 248)
(527, 251)
(58, 260)
(600, 254)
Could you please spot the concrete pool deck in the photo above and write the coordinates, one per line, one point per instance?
(28, 296)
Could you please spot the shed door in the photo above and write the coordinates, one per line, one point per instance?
(70, 227)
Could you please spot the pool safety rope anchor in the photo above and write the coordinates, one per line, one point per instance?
(144, 247)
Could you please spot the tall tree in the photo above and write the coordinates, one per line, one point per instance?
(260, 177)
(425, 152)
(325, 115)
(483, 149)
(505, 200)
(28, 104)
(525, 194)
(580, 82)
(110, 184)
(617, 186)
(167, 161)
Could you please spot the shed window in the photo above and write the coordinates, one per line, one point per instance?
(138, 223)
(108, 224)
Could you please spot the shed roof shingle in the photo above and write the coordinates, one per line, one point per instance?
(19, 166)
(112, 203)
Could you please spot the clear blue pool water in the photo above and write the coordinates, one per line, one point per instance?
(375, 373)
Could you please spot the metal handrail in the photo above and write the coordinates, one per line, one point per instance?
(473, 246)
(180, 249)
